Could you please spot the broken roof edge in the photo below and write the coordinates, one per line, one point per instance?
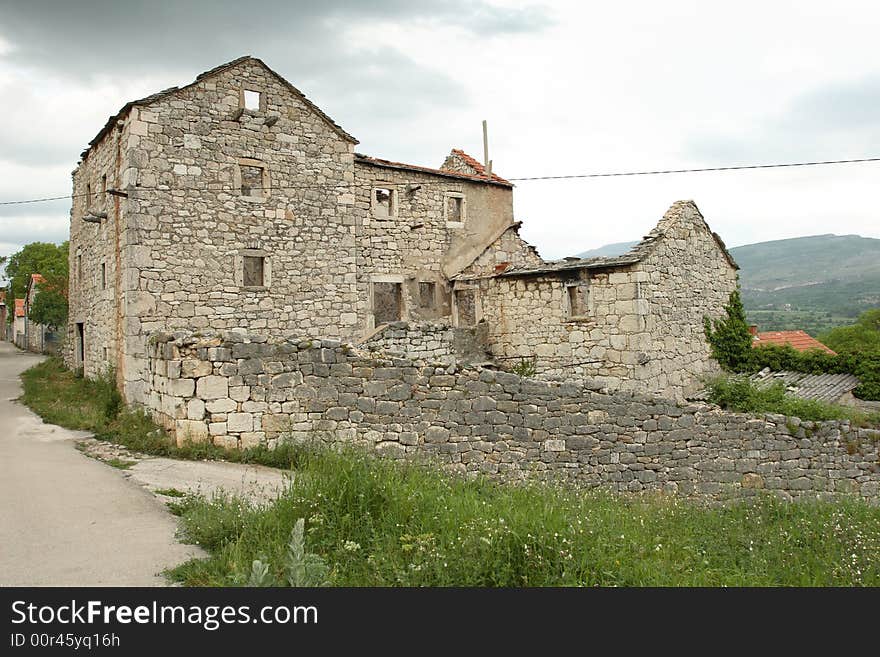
(152, 98)
(635, 255)
(494, 237)
(446, 173)
(474, 164)
(669, 215)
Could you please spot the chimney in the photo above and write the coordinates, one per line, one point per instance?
(753, 330)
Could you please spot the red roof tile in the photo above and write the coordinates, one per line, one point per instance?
(476, 165)
(19, 307)
(38, 278)
(797, 339)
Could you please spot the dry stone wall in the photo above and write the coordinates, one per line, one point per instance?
(239, 390)
(441, 343)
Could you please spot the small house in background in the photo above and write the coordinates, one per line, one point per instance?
(798, 340)
(19, 325)
(37, 335)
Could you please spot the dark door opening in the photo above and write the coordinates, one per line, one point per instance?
(465, 304)
(80, 345)
(386, 303)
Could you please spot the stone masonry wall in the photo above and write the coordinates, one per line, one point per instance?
(94, 257)
(239, 391)
(642, 328)
(191, 223)
(426, 341)
(412, 244)
(429, 341)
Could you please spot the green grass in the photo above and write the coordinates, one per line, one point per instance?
(170, 492)
(381, 523)
(59, 396)
(119, 463)
(739, 394)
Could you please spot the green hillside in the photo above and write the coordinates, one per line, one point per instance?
(811, 283)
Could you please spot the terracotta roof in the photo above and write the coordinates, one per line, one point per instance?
(37, 278)
(797, 339)
(388, 164)
(201, 76)
(19, 307)
(475, 165)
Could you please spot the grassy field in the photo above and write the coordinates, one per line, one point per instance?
(813, 322)
(381, 523)
(369, 522)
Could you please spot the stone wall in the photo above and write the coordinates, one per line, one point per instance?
(641, 328)
(239, 391)
(96, 271)
(411, 243)
(429, 341)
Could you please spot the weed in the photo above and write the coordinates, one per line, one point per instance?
(381, 523)
(526, 367)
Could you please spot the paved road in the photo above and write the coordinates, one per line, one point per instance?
(66, 519)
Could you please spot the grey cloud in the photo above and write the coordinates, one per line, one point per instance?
(368, 91)
(21, 229)
(79, 38)
(833, 121)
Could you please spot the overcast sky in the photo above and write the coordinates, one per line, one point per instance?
(567, 88)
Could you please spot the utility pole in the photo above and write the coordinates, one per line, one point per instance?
(487, 163)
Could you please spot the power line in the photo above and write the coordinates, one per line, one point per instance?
(661, 172)
(477, 178)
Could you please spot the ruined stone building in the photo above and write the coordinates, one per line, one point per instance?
(236, 203)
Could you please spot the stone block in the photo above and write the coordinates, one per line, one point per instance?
(212, 387)
(240, 422)
(190, 431)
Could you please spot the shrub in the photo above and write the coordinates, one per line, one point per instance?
(729, 337)
(737, 393)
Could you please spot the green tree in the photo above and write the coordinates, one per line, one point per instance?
(50, 306)
(861, 337)
(729, 337)
(49, 260)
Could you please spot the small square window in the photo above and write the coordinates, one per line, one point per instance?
(251, 180)
(453, 209)
(253, 271)
(578, 300)
(103, 276)
(252, 99)
(426, 294)
(384, 202)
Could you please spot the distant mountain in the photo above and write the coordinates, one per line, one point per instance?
(811, 283)
(608, 251)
